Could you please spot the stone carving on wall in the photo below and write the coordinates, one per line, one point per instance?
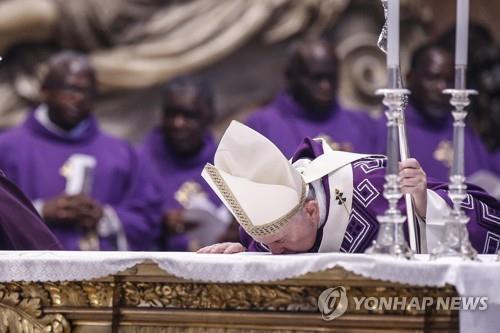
(136, 45)
(363, 64)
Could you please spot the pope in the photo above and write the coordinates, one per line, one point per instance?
(327, 201)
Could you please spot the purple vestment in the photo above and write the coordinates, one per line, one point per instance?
(21, 228)
(368, 202)
(286, 123)
(178, 176)
(32, 157)
(431, 143)
(496, 162)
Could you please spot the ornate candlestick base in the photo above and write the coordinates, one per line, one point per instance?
(390, 239)
(455, 240)
(386, 243)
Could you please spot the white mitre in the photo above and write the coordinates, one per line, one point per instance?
(255, 181)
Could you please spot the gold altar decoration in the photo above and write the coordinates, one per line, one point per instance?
(145, 299)
(21, 311)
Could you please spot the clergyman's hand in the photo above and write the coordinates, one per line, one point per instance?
(89, 210)
(74, 209)
(223, 248)
(59, 209)
(414, 182)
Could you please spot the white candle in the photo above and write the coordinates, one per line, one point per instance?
(462, 34)
(393, 34)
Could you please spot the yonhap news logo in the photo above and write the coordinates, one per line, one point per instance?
(333, 303)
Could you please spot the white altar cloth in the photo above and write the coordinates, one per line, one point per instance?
(469, 278)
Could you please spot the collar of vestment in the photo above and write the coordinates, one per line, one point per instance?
(336, 165)
(164, 153)
(39, 123)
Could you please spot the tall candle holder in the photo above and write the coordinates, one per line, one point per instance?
(455, 240)
(413, 231)
(390, 238)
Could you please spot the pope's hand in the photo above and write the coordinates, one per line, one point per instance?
(414, 181)
(223, 248)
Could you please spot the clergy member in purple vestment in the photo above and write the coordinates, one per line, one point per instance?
(326, 200)
(178, 150)
(309, 105)
(429, 123)
(489, 180)
(116, 207)
(21, 228)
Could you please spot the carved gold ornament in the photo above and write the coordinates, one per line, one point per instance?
(221, 297)
(21, 314)
(144, 299)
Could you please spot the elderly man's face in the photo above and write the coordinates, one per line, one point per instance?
(70, 102)
(312, 78)
(299, 235)
(185, 121)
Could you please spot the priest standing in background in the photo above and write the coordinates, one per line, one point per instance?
(118, 206)
(177, 150)
(309, 105)
(429, 123)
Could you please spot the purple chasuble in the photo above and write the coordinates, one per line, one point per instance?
(431, 143)
(368, 202)
(178, 176)
(496, 162)
(21, 228)
(32, 157)
(286, 123)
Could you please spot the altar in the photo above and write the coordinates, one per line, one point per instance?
(126, 292)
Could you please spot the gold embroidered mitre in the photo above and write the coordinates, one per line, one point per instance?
(255, 181)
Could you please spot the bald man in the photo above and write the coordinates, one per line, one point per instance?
(92, 189)
(309, 107)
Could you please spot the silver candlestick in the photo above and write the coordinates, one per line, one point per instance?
(413, 230)
(390, 239)
(455, 240)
